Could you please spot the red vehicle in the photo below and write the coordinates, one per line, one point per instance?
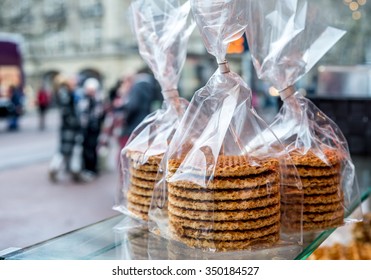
(11, 71)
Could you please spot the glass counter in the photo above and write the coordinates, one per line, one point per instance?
(113, 239)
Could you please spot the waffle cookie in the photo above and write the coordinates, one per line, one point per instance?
(315, 225)
(362, 230)
(312, 208)
(354, 251)
(149, 176)
(320, 204)
(317, 190)
(136, 245)
(228, 245)
(313, 171)
(224, 225)
(140, 158)
(238, 208)
(234, 215)
(254, 181)
(358, 249)
(313, 198)
(227, 166)
(223, 194)
(143, 175)
(329, 158)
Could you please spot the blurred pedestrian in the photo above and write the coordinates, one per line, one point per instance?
(1, 89)
(42, 102)
(4, 103)
(91, 115)
(143, 92)
(16, 108)
(68, 157)
(115, 118)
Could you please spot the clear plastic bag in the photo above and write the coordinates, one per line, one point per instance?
(132, 238)
(286, 39)
(162, 29)
(216, 193)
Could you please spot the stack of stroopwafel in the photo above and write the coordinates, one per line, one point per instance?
(143, 175)
(239, 207)
(321, 200)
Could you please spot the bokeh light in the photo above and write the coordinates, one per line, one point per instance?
(353, 6)
(361, 2)
(356, 15)
(273, 91)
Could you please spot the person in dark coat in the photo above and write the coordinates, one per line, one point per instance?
(70, 137)
(91, 115)
(143, 92)
(16, 101)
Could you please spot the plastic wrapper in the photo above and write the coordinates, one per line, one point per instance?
(286, 39)
(216, 193)
(132, 238)
(162, 29)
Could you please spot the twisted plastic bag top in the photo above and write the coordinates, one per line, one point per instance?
(286, 39)
(220, 23)
(162, 29)
(203, 198)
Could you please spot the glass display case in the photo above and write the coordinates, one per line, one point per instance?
(110, 239)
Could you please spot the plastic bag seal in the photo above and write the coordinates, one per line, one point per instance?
(170, 93)
(287, 92)
(224, 67)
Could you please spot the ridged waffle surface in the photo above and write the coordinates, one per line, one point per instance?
(321, 203)
(238, 207)
(143, 174)
(225, 166)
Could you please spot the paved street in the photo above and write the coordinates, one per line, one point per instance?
(29, 145)
(33, 209)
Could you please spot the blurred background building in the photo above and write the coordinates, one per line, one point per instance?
(87, 38)
(92, 38)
